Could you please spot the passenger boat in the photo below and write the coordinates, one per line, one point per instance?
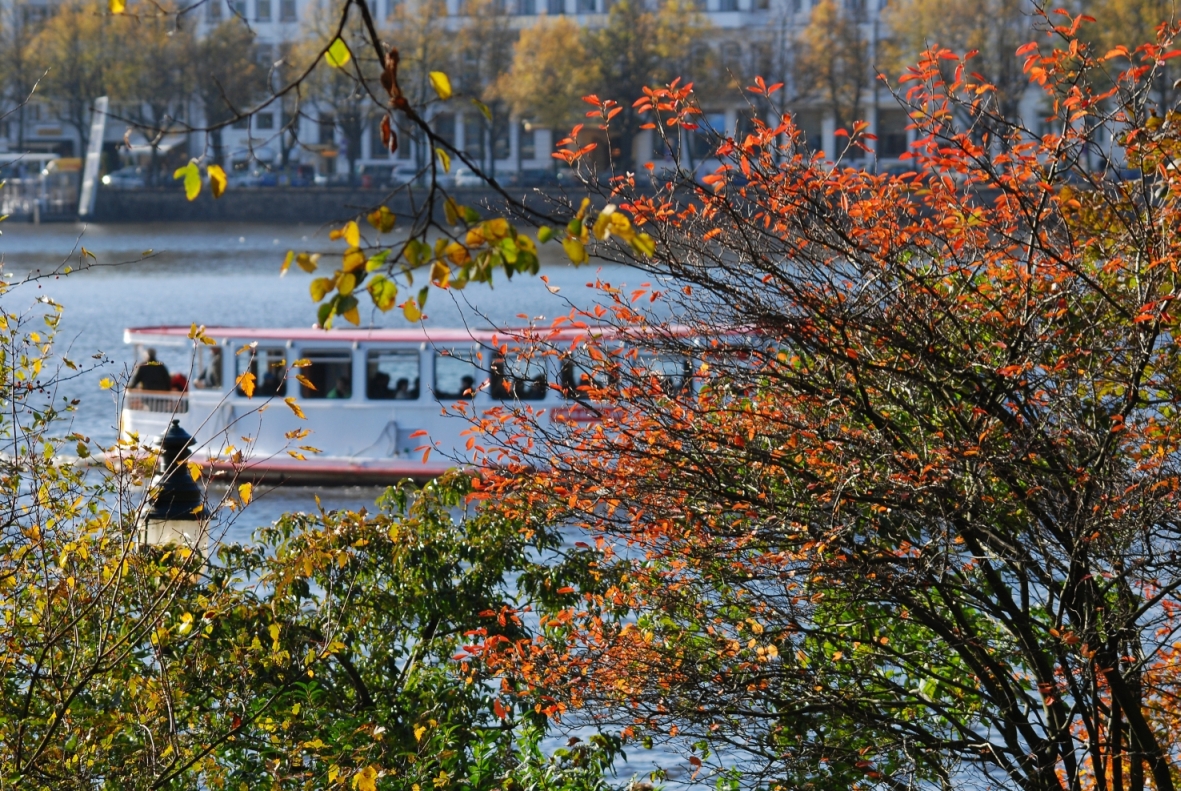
(374, 400)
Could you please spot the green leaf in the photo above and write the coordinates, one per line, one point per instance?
(325, 312)
(544, 234)
(383, 292)
(192, 179)
(442, 84)
(377, 261)
(338, 54)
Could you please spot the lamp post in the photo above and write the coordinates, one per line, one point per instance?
(177, 514)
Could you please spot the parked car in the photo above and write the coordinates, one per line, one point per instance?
(538, 178)
(374, 176)
(404, 173)
(127, 178)
(466, 177)
(256, 177)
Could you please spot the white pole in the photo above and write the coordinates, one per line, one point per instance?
(98, 128)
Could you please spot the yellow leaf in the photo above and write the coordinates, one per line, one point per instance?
(353, 316)
(456, 253)
(352, 234)
(353, 259)
(346, 284)
(382, 219)
(444, 159)
(451, 211)
(118, 6)
(245, 383)
(319, 287)
(295, 408)
(411, 311)
(338, 54)
(419, 730)
(366, 779)
(307, 262)
(440, 274)
(287, 262)
(575, 250)
(106, 383)
(194, 471)
(217, 180)
(244, 491)
(274, 628)
(442, 84)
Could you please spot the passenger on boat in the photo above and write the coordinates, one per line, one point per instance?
(210, 378)
(342, 389)
(150, 374)
(402, 389)
(179, 382)
(271, 384)
(379, 386)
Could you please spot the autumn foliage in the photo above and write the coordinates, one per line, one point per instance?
(915, 520)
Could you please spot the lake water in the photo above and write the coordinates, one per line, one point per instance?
(229, 275)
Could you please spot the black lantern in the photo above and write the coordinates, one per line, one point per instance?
(178, 505)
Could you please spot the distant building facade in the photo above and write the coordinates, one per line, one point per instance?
(748, 36)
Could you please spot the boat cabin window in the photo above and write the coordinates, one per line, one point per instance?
(330, 373)
(578, 374)
(392, 375)
(455, 373)
(269, 366)
(208, 367)
(517, 375)
(673, 373)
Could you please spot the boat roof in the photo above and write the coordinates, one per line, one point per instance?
(173, 335)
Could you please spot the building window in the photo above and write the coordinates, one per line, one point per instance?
(727, 5)
(242, 123)
(376, 149)
(238, 8)
(214, 11)
(473, 136)
(286, 10)
(501, 144)
(586, 6)
(892, 133)
(444, 124)
(527, 7)
(264, 55)
(264, 121)
(555, 7)
(262, 10)
(405, 139)
(732, 56)
(391, 8)
(327, 130)
(527, 141)
(761, 5)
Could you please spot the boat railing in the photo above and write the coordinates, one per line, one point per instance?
(169, 403)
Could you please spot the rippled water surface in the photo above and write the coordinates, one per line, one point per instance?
(228, 274)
